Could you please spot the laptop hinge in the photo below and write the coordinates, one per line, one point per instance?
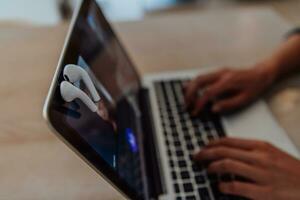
(155, 187)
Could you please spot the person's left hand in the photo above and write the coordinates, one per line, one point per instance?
(273, 174)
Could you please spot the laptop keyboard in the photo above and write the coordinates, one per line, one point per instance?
(183, 136)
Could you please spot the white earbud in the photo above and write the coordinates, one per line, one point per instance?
(69, 93)
(74, 73)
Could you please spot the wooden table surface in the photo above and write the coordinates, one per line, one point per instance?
(34, 164)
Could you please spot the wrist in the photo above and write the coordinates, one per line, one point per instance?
(270, 70)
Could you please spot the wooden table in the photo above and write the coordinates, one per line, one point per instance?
(34, 164)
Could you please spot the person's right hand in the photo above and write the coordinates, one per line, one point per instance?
(271, 173)
(239, 85)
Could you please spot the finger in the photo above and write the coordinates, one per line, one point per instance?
(231, 103)
(239, 168)
(239, 143)
(248, 190)
(222, 152)
(211, 92)
(193, 86)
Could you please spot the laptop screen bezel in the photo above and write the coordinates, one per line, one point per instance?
(66, 133)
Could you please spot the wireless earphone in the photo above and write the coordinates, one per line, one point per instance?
(70, 92)
(73, 73)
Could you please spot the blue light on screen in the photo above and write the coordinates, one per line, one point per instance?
(130, 137)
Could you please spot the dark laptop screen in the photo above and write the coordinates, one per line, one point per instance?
(113, 132)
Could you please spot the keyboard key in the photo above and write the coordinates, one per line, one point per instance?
(179, 153)
(190, 146)
(213, 177)
(181, 111)
(200, 143)
(174, 175)
(165, 133)
(176, 138)
(198, 132)
(204, 194)
(176, 188)
(207, 127)
(185, 129)
(178, 148)
(185, 175)
(177, 143)
(167, 142)
(182, 163)
(171, 163)
(187, 137)
(188, 187)
(171, 120)
(196, 123)
(191, 197)
(200, 179)
(196, 167)
(171, 117)
(172, 124)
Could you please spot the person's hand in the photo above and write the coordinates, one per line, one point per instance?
(239, 87)
(273, 174)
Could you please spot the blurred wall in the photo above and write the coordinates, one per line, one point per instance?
(39, 12)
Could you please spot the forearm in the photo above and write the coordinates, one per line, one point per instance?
(285, 59)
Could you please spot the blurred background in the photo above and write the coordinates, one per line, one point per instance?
(52, 12)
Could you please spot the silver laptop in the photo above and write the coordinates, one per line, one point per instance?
(134, 131)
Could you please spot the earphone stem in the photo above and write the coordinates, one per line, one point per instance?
(91, 88)
(89, 103)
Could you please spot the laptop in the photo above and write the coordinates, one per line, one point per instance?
(134, 131)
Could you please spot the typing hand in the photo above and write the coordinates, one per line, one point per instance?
(273, 174)
(239, 86)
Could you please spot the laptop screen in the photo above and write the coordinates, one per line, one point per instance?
(113, 132)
